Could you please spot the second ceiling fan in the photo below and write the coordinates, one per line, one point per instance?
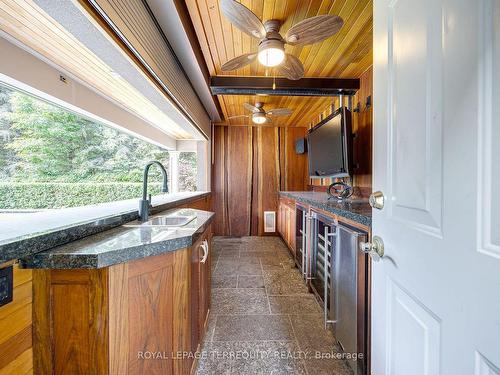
(272, 45)
(261, 116)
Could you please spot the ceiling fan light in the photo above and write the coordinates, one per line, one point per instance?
(271, 52)
(271, 57)
(259, 118)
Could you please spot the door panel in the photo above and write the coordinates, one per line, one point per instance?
(414, 70)
(489, 156)
(485, 367)
(409, 319)
(436, 129)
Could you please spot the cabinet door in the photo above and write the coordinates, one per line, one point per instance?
(196, 253)
(292, 229)
(204, 296)
(281, 219)
(287, 225)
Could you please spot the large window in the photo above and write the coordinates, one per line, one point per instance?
(53, 158)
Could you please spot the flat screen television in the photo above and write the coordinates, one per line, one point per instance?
(330, 146)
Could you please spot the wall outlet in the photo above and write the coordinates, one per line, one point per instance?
(6, 285)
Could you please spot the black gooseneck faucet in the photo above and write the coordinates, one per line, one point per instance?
(145, 203)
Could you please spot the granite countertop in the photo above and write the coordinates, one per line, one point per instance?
(122, 244)
(25, 234)
(357, 210)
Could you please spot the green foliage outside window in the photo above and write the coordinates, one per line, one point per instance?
(52, 158)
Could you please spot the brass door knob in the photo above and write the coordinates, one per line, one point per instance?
(374, 249)
(377, 200)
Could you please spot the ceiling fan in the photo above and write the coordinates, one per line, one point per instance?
(260, 116)
(272, 45)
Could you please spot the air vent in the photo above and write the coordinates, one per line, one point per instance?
(269, 221)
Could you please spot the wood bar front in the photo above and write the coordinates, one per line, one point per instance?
(142, 317)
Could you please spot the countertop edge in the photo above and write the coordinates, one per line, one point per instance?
(97, 261)
(28, 246)
(344, 213)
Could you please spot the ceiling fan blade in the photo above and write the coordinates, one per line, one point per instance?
(291, 68)
(250, 107)
(314, 29)
(280, 112)
(243, 18)
(239, 62)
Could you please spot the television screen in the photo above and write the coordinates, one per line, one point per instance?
(329, 147)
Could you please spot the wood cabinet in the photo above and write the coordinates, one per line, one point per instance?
(286, 222)
(201, 259)
(130, 318)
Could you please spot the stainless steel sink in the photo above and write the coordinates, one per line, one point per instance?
(170, 221)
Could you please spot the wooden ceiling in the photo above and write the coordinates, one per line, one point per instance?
(346, 54)
(26, 22)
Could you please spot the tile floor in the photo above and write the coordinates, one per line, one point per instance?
(263, 320)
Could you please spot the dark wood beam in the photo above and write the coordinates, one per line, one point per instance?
(228, 85)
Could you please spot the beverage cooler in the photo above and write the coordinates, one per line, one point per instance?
(302, 228)
(338, 269)
(323, 232)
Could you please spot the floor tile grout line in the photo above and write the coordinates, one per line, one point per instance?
(302, 360)
(216, 263)
(265, 288)
(298, 344)
(215, 326)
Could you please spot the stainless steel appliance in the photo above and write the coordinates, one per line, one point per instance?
(302, 240)
(323, 231)
(338, 276)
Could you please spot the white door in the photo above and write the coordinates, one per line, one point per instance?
(436, 292)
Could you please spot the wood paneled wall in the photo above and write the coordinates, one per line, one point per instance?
(16, 353)
(362, 127)
(251, 164)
